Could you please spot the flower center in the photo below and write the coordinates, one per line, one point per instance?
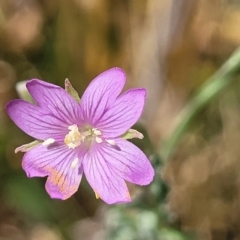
(75, 136)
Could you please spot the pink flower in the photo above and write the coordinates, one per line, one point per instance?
(76, 138)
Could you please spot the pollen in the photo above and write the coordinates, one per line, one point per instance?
(74, 138)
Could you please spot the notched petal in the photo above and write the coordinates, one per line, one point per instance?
(123, 114)
(102, 93)
(56, 100)
(35, 121)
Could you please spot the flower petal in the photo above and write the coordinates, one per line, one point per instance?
(60, 164)
(128, 162)
(35, 121)
(123, 114)
(101, 93)
(56, 100)
(103, 180)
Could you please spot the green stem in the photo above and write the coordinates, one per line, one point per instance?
(215, 84)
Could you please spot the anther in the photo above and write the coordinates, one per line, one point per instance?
(75, 162)
(111, 142)
(98, 140)
(48, 142)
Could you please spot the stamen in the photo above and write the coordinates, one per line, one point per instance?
(48, 141)
(111, 142)
(96, 131)
(85, 134)
(98, 140)
(75, 162)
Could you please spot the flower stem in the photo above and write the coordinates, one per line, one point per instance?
(213, 85)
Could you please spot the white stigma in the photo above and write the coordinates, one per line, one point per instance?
(48, 142)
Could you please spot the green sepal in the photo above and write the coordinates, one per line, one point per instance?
(27, 147)
(69, 88)
(132, 133)
(23, 91)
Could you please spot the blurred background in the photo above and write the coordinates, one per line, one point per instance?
(171, 48)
